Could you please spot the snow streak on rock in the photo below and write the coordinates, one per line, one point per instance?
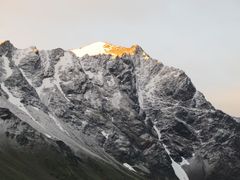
(63, 63)
(16, 101)
(6, 65)
(129, 167)
(56, 121)
(180, 173)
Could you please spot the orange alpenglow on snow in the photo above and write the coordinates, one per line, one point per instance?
(104, 48)
(119, 50)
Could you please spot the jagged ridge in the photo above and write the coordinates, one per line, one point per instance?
(121, 107)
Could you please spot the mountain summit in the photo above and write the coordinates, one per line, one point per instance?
(108, 112)
(100, 48)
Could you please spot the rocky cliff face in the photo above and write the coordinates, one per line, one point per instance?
(108, 112)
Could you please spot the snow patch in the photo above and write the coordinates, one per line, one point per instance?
(20, 54)
(105, 134)
(92, 50)
(129, 167)
(179, 171)
(58, 124)
(116, 100)
(140, 97)
(45, 60)
(35, 108)
(6, 65)
(14, 100)
(63, 63)
(184, 162)
(145, 56)
(17, 102)
(84, 123)
(47, 83)
(90, 74)
(48, 136)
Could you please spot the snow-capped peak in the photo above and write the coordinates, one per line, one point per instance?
(104, 48)
(91, 50)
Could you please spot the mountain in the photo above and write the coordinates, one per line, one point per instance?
(108, 112)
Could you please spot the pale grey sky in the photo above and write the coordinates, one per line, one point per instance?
(202, 37)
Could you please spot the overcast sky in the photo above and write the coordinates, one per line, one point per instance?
(202, 37)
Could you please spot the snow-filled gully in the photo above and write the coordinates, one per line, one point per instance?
(180, 173)
(16, 101)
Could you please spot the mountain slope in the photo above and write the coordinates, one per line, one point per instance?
(116, 111)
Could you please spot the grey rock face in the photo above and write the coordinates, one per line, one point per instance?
(116, 110)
